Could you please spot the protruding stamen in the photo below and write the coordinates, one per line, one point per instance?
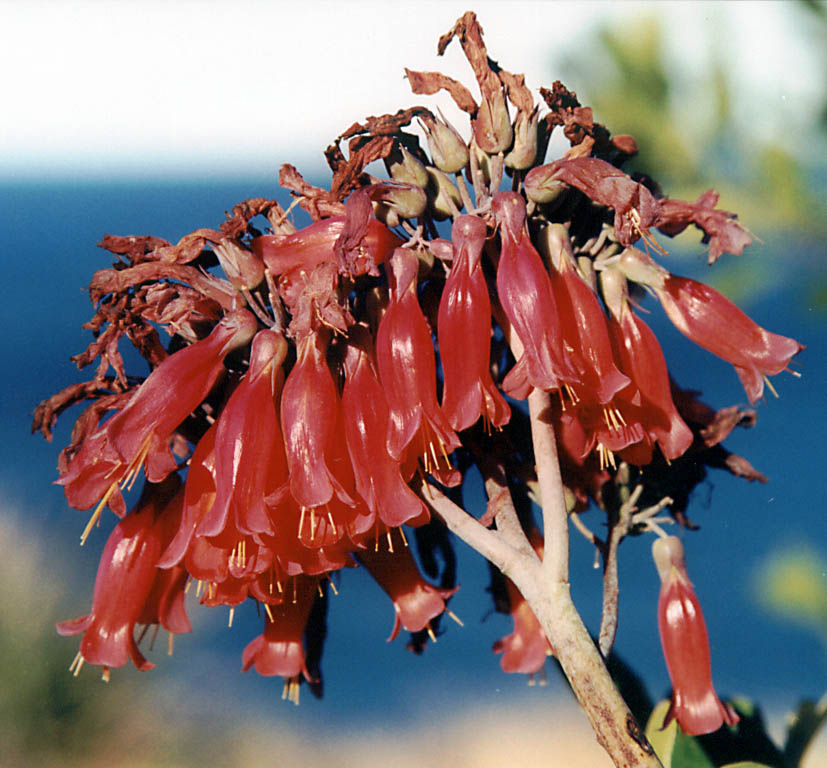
(769, 384)
(268, 612)
(230, 620)
(332, 585)
(454, 617)
(170, 643)
(402, 534)
(105, 675)
(76, 664)
(431, 632)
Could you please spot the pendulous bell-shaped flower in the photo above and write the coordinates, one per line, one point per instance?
(365, 414)
(464, 328)
(695, 705)
(415, 602)
(249, 452)
(716, 324)
(524, 290)
(124, 582)
(280, 649)
(139, 434)
(407, 370)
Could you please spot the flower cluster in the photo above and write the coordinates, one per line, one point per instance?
(309, 397)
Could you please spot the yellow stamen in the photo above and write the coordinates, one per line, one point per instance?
(431, 632)
(105, 675)
(770, 386)
(402, 534)
(232, 613)
(332, 585)
(390, 541)
(454, 617)
(301, 521)
(170, 643)
(76, 664)
(269, 613)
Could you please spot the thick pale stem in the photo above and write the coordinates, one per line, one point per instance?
(552, 498)
(547, 592)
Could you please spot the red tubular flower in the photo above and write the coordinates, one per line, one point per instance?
(309, 407)
(526, 648)
(524, 290)
(641, 358)
(415, 602)
(407, 370)
(465, 334)
(249, 451)
(583, 322)
(365, 410)
(280, 649)
(683, 636)
(716, 324)
(140, 432)
(125, 578)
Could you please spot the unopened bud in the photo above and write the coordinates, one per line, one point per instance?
(492, 127)
(404, 167)
(243, 268)
(667, 552)
(614, 289)
(448, 151)
(524, 152)
(540, 187)
(444, 196)
(398, 202)
(555, 246)
(640, 268)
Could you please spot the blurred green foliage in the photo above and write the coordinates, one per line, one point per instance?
(792, 585)
(690, 140)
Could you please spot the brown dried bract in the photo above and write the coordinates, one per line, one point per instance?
(118, 281)
(429, 83)
(386, 125)
(347, 172)
(318, 202)
(721, 228)
(579, 125)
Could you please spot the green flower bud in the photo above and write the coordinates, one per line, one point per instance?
(404, 167)
(614, 289)
(492, 127)
(540, 187)
(443, 195)
(524, 152)
(448, 151)
(400, 201)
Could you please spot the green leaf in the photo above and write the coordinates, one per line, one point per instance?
(688, 753)
(806, 722)
(661, 739)
(674, 748)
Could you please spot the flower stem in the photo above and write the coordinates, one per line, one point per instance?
(547, 592)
